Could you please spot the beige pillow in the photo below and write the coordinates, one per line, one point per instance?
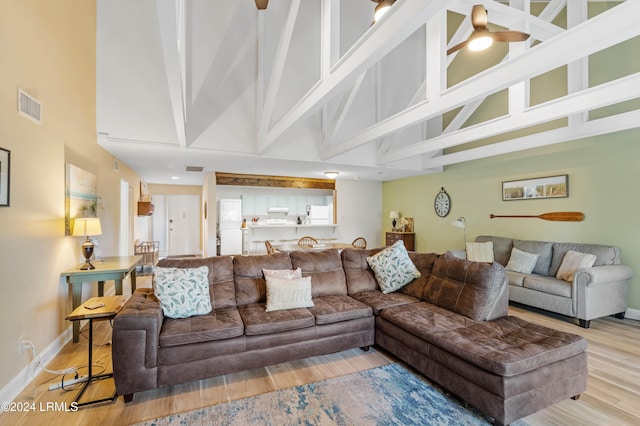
(285, 293)
(480, 252)
(282, 273)
(571, 262)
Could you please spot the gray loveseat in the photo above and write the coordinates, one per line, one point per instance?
(595, 292)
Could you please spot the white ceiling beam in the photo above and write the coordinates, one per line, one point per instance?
(577, 71)
(260, 69)
(602, 126)
(343, 110)
(609, 28)
(399, 23)
(168, 13)
(278, 68)
(605, 94)
(330, 37)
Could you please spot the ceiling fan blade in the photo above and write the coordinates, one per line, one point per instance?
(457, 47)
(262, 4)
(479, 18)
(509, 36)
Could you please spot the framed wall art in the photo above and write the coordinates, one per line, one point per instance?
(536, 188)
(81, 198)
(5, 176)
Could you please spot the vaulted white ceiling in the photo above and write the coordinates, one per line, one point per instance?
(307, 86)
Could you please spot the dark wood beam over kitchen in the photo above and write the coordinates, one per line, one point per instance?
(273, 181)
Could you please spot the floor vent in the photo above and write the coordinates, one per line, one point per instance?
(29, 107)
(195, 168)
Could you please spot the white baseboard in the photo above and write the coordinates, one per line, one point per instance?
(16, 385)
(633, 314)
(27, 374)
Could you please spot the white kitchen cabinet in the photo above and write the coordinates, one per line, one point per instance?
(262, 203)
(248, 205)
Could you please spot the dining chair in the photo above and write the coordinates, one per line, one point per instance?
(270, 249)
(307, 241)
(359, 243)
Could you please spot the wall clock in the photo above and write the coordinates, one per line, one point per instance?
(442, 203)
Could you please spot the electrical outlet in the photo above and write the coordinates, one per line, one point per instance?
(21, 340)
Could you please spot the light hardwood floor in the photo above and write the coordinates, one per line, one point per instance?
(612, 397)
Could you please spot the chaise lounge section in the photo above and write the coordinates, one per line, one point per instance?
(451, 324)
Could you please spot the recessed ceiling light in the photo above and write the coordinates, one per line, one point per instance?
(175, 177)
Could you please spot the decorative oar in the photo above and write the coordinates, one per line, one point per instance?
(557, 216)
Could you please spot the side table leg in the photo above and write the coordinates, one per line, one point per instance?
(100, 288)
(76, 300)
(133, 280)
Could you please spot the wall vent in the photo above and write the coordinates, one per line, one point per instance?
(29, 107)
(195, 168)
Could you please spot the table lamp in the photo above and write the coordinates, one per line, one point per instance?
(393, 215)
(87, 226)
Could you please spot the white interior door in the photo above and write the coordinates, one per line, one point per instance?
(184, 224)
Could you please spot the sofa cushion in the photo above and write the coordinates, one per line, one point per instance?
(605, 255)
(422, 319)
(258, 321)
(182, 292)
(522, 261)
(358, 274)
(331, 309)
(393, 268)
(501, 247)
(221, 285)
(542, 248)
(250, 286)
(508, 346)
(573, 261)
(479, 252)
(468, 288)
(219, 324)
(549, 285)
(378, 301)
(424, 263)
(288, 293)
(325, 269)
(516, 278)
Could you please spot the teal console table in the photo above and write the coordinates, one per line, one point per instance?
(114, 268)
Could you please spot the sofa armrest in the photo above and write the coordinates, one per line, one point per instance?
(601, 290)
(136, 331)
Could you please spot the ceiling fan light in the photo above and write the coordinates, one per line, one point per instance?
(480, 42)
(381, 9)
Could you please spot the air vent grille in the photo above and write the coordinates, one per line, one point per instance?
(195, 168)
(29, 107)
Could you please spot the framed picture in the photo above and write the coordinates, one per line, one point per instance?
(81, 198)
(5, 176)
(536, 188)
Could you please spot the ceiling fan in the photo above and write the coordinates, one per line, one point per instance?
(262, 4)
(481, 38)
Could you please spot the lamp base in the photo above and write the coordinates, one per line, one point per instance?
(87, 252)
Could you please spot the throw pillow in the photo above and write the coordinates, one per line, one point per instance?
(183, 292)
(522, 261)
(571, 262)
(286, 274)
(480, 252)
(393, 268)
(285, 293)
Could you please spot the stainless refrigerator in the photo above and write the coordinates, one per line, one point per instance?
(229, 226)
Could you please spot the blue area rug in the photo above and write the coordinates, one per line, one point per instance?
(387, 395)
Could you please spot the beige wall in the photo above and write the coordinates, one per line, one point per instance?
(48, 49)
(603, 183)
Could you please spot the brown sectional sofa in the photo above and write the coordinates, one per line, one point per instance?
(450, 324)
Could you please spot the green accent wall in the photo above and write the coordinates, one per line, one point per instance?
(604, 173)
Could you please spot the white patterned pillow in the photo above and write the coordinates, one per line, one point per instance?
(522, 261)
(283, 293)
(571, 262)
(183, 292)
(480, 252)
(393, 268)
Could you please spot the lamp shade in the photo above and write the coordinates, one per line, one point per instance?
(394, 214)
(86, 226)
